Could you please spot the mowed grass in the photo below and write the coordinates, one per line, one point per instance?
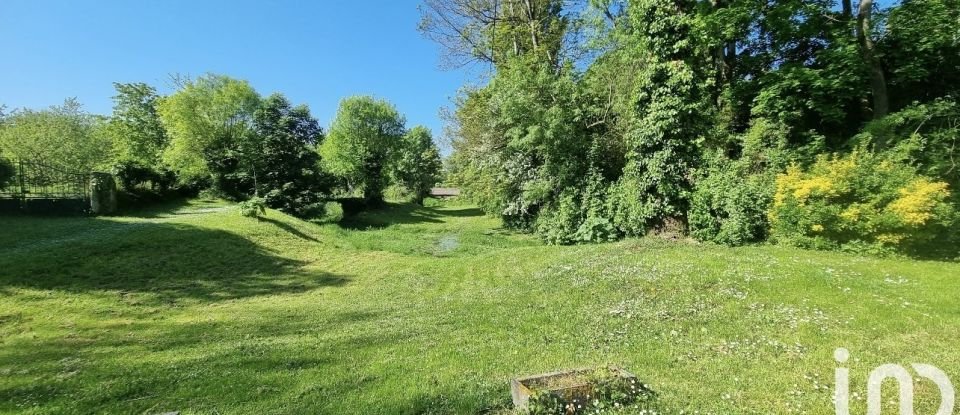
(416, 310)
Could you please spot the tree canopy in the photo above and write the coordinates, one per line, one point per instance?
(362, 142)
(62, 136)
(210, 123)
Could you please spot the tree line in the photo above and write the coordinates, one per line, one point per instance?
(809, 122)
(218, 135)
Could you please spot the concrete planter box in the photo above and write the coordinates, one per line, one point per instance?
(567, 385)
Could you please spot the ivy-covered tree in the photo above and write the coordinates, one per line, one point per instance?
(417, 166)
(670, 113)
(362, 142)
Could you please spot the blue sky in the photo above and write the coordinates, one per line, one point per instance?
(315, 52)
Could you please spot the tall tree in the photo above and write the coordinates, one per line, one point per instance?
(137, 132)
(418, 164)
(210, 123)
(286, 154)
(362, 142)
(878, 80)
(494, 31)
(671, 116)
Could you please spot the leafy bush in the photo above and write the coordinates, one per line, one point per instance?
(286, 159)
(862, 202)
(557, 223)
(730, 202)
(133, 175)
(730, 208)
(923, 135)
(253, 208)
(332, 211)
(292, 199)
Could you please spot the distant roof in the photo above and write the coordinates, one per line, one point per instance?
(444, 191)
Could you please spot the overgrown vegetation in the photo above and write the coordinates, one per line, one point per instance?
(613, 117)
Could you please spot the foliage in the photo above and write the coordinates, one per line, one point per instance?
(670, 114)
(683, 113)
(922, 135)
(132, 175)
(253, 207)
(139, 138)
(285, 155)
(362, 144)
(731, 198)
(7, 172)
(210, 124)
(332, 211)
(862, 201)
(922, 50)
(417, 167)
(65, 137)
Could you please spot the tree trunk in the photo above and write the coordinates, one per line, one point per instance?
(878, 81)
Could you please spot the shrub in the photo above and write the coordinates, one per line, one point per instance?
(557, 222)
(133, 175)
(728, 207)
(292, 199)
(731, 199)
(253, 207)
(332, 212)
(922, 135)
(862, 202)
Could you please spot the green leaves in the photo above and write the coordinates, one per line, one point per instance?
(417, 163)
(208, 119)
(64, 137)
(363, 138)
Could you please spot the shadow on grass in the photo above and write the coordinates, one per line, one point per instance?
(158, 262)
(289, 229)
(173, 207)
(210, 367)
(403, 214)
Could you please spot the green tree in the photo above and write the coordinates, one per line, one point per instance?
(138, 134)
(418, 164)
(921, 51)
(671, 121)
(286, 157)
(210, 123)
(64, 137)
(361, 145)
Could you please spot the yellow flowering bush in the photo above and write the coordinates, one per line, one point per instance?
(861, 202)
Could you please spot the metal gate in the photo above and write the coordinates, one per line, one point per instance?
(43, 189)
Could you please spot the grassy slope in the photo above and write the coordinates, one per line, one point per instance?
(202, 311)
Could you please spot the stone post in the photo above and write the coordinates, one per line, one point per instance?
(103, 194)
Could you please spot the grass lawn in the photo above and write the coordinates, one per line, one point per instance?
(193, 308)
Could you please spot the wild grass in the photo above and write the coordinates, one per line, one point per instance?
(415, 310)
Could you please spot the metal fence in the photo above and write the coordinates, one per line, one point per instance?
(40, 188)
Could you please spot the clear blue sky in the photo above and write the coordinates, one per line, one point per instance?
(315, 52)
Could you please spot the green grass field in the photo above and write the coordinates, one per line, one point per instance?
(193, 308)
